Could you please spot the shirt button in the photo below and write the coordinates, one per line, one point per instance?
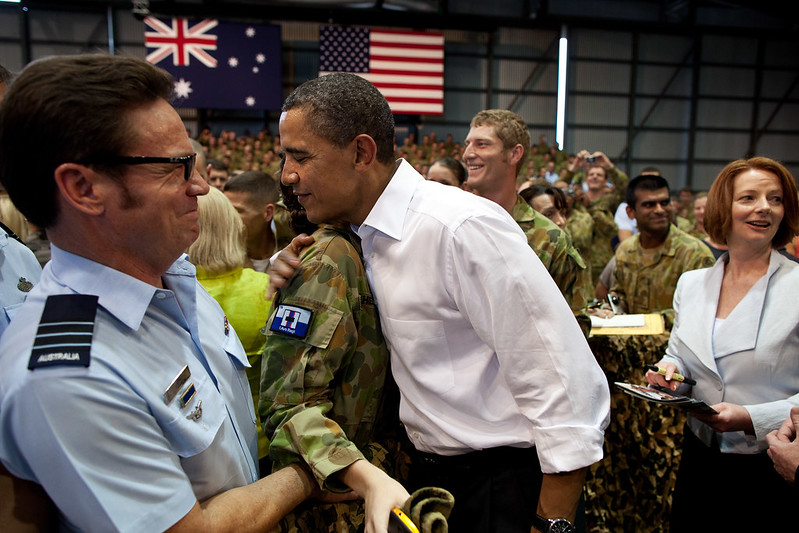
(415, 435)
(160, 295)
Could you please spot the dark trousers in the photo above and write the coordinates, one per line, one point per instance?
(496, 490)
(731, 492)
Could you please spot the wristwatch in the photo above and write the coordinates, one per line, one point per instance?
(552, 525)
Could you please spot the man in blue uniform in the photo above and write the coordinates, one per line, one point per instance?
(122, 385)
(19, 271)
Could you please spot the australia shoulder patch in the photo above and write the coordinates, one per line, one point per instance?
(292, 320)
(64, 336)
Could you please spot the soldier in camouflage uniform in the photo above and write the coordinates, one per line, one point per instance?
(601, 249)
(494, 178)
(600, 203)
(326, 392)
(649, 263)
(254, 195)
(597, 181)
(580, 228)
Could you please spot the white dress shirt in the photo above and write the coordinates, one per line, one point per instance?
(623, 220)
(484, 348)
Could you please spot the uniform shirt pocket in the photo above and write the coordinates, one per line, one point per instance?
(194, 426)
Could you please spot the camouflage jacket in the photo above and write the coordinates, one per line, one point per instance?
(580, 228)
(596, 228)
(648, 287)
(554, 249)
(683, 224)
(322, 388)
(694, 231)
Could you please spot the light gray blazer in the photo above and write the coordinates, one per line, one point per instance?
(753, 357)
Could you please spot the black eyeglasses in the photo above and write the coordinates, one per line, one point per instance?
(188, 162)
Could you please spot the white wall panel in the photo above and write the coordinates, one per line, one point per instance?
(652, 80)
(533, 109)
(600, 44)
(599, 77)
(786, 117)
(776, 84)
(732, 114)
(660, 145)
(663, 48)
(729, 49)
(721, 145)
(598, 111)
(511, 75)
(727, 81)
(610, 143)
(664, 113)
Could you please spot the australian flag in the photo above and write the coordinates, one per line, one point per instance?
(216, 64)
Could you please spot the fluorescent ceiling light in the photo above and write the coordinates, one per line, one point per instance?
(560, 123)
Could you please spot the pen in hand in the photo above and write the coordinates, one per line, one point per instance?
(675, 376)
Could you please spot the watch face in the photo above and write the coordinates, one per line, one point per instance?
(560, 525)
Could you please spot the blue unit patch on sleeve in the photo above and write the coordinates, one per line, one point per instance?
(292, 320)
(65, 331)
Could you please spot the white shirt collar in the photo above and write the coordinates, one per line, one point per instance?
(388, 214)
(123, 296)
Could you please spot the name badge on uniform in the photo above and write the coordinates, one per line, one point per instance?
(292, 320)
(177, 384)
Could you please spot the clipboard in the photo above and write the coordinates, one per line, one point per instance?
(665, 396)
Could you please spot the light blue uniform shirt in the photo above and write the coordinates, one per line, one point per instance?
(102, 440)
(18, 267)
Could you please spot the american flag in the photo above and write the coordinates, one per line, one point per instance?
(218, 64)
(406, 66)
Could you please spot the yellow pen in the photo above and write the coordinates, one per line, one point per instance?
(675, 376)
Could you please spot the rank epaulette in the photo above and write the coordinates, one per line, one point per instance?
(65, 331)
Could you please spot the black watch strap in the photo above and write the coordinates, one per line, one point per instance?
(552, 525)
(541, 523)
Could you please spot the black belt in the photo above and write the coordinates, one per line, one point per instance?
(488, 457)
